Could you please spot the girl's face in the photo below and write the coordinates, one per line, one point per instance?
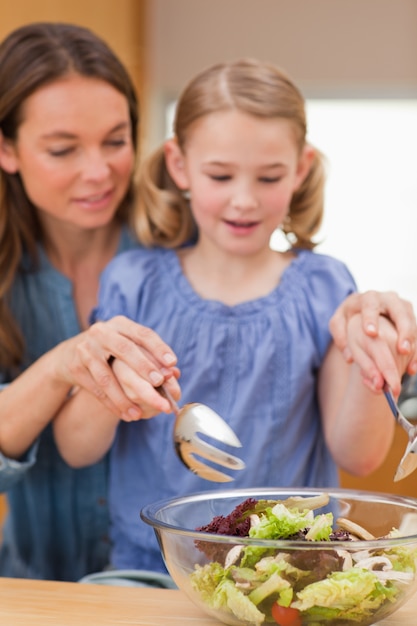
(73, 151)
(241, 172)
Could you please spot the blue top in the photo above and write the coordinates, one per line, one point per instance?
(255, 363)
(57, 526)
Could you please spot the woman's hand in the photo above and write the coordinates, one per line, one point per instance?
(373, 307)
(83, 361)
(377, 356)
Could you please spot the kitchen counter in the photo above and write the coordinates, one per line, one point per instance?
(46, 603)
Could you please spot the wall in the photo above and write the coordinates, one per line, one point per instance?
(337, 47)
(320, 42)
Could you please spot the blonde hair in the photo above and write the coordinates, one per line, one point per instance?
(162, 214)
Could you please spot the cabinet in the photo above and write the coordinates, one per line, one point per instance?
(120, 22)
(3, 510)
(383, 478)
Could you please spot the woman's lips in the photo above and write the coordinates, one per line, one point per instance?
(96, 200)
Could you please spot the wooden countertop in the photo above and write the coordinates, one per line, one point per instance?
(45, 603)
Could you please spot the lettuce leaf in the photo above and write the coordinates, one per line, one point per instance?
(344, 594)
(221, 593)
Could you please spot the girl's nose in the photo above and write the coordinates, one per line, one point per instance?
(244, 199)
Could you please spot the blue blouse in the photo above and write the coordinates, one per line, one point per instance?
(58, 523)
(255, 363)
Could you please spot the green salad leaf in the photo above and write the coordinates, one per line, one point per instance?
(355, 591)
(324, 585)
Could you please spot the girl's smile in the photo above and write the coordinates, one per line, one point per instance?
(241, 172)
(241, 228)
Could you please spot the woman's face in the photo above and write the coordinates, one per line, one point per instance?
(73, 151)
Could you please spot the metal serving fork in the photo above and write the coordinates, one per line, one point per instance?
(198, 418)
(409, 461)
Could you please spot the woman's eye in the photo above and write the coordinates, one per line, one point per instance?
(60, 152)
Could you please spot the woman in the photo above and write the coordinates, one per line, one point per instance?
(68, 135)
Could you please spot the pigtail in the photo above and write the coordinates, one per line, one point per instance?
(162, 216)
(307, 206)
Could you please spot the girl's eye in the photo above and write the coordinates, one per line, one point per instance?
(270, 179)
(221, 178)
(117, 142)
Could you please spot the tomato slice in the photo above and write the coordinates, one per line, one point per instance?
(285, 615)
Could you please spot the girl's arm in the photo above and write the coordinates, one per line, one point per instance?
(357, 420)
(32, 400)
(84, 429)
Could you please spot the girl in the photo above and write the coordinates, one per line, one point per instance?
(250, 326)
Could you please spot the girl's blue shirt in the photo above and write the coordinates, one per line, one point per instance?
(58, 523)
(255, 363)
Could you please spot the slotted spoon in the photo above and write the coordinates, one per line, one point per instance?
(195, 418)
(409, 461)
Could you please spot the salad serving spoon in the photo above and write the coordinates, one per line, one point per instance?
(195, 418)
(409, 461)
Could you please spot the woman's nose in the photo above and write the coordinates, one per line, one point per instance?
(95, 166)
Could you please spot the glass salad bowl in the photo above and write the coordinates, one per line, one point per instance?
(293, 557)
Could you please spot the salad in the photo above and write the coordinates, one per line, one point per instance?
(297, 587)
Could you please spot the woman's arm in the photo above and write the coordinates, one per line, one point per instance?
(357, 420)
(30, 402)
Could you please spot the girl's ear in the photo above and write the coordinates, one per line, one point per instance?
(175, 162)
(304, 164)
(8, 158)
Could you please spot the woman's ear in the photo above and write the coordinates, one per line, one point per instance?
(175, 162)
(304, 164)
(8, 158)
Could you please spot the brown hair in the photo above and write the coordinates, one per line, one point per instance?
(30, 57)
(163, 215)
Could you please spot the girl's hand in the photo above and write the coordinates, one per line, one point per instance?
(377, 356)
(373, 307)
(141, 393)
(83, 361)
